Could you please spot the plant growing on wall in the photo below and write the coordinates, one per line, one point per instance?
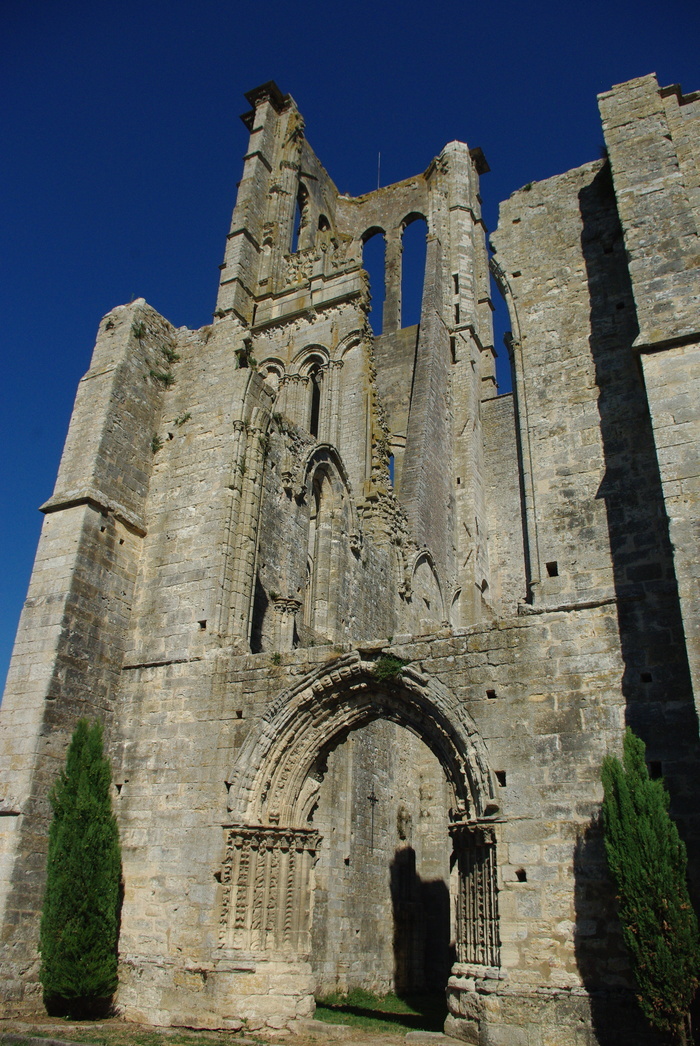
(80, 916)
(388, 667)
(647, 861)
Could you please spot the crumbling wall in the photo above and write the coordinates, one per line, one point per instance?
(225, 559)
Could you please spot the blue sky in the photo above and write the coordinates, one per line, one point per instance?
(122, 148)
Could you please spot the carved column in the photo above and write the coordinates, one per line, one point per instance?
(324, 380)
(285, 613)
(293, 399)
(245, 535)
(328, 431)
(478, 940)
(267, 881)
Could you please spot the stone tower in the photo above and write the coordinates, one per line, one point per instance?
(360, 629)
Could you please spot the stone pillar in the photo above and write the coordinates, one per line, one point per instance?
(285, 613)
(392, 282)
(294, 400)
(330, 433)
(245, 541)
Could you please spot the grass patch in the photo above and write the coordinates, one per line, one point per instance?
(383, 1013)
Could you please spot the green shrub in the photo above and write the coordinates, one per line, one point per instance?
(647, 862)
(80, 917)
(388, 667)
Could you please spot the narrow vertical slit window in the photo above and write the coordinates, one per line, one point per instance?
(301, 219)
(315, 377)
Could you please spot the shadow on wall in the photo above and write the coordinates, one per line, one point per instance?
(423, 953)
(600, 951)
(656, 681)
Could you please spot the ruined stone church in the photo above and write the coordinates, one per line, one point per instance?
(361, 630)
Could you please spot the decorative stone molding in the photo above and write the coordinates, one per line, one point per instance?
(267, 783)
(477, 896)
(284, 605)
(266, 877)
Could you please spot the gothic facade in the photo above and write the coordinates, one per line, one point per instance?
(361, 630)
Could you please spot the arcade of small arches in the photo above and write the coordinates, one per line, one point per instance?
(382, 249)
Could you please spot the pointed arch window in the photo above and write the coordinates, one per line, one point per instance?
(328, 550)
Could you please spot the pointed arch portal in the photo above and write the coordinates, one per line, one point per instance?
(271, 846)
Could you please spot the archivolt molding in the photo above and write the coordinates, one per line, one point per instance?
(414, 557)
(282, 762)
(355, 337)
(310, 355)
(299, 481)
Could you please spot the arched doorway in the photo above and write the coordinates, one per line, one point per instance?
(381, 911)
(278, 807)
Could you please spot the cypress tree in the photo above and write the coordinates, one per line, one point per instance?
(80, 916)
(647, 861)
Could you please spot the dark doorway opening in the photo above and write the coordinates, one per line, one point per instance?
(381, 938)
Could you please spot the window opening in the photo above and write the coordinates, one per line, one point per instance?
(413, 256)
(315, 382)
(301, 217)
(501, 336)
(373, 262)
(391, 469)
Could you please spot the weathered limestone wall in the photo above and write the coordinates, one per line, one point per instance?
(590, 458)
(660, 226)
(672, 381)
(225, 560)
(556, 384)
(71, 638)
(556, 710)
(503, 506)
(662, 238)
